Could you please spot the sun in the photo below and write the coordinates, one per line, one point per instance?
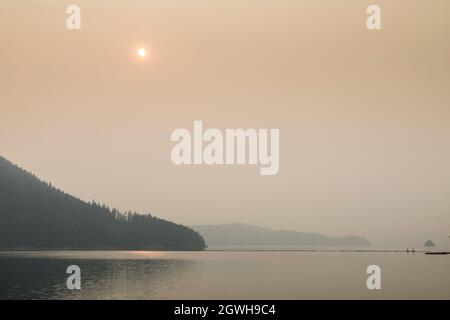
(142, 52)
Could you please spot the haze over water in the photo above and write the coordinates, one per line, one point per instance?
(364, 124)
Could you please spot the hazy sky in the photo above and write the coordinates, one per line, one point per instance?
(364, 116)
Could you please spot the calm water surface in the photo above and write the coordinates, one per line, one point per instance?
(223, 275)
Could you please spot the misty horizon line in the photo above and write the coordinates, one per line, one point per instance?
(250, 224)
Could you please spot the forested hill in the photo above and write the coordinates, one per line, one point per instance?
(241, 234)
(35, 215)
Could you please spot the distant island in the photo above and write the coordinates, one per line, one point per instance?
(429, 243)
(240, 234)
(36, 215)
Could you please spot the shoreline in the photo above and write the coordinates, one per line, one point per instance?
(220, 250)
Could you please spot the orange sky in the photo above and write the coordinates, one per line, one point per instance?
(364, 117)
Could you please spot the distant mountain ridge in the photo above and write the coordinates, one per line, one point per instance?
(35, 215)
(241, 234)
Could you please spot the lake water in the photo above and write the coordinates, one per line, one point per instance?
(223, 275)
